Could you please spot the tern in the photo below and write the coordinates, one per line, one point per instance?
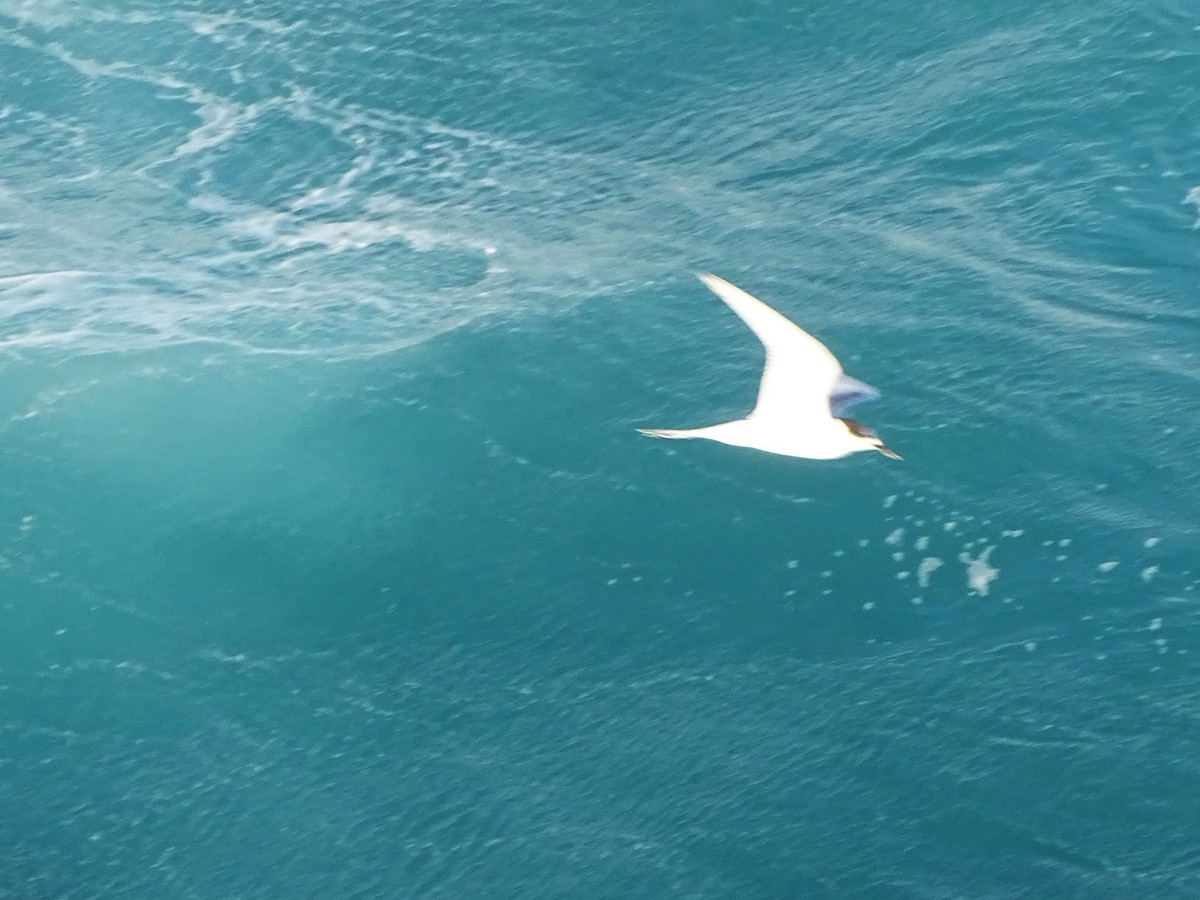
(803, 396)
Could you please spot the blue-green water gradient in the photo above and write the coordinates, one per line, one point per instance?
(332, 563)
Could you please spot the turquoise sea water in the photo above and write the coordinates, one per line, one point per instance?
(332, 565)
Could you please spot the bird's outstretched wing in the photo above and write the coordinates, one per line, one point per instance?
(848, 391)
(801, 377)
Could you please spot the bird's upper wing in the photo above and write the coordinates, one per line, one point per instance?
(801, 377)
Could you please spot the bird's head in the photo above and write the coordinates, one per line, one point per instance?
(868, 437)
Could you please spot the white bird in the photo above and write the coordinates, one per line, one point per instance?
(802, 397)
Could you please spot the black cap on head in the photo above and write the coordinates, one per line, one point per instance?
(858, 429)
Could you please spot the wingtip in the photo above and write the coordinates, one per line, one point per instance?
(714, 283)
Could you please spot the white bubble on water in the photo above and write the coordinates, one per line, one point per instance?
(980, 574)
(1150, 542)
(1065, 542)
(898, 555)
(1192, 198)
(927, 567)
(895, 537)
(949, 526)
(900, 576)
(1108, 566)
(793, 563)
(916, 601)
(1148, 573)
(1030, 646)
(921, 543)
(863, 542)
(869, 605)
(1155, 624)
(888, 501)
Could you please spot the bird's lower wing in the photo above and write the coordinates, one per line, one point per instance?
(848, 391)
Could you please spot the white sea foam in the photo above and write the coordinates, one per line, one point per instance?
(531, 189)
(220, 120)
(980, 573)
(216, 26)
(556, 256)
(926, 568)
(1193, 199)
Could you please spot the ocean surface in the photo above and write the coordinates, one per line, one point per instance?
(332, 563)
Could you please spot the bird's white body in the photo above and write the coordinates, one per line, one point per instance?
(802, 383)
(819, 442)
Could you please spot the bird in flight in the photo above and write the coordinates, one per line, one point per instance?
(803, 396)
